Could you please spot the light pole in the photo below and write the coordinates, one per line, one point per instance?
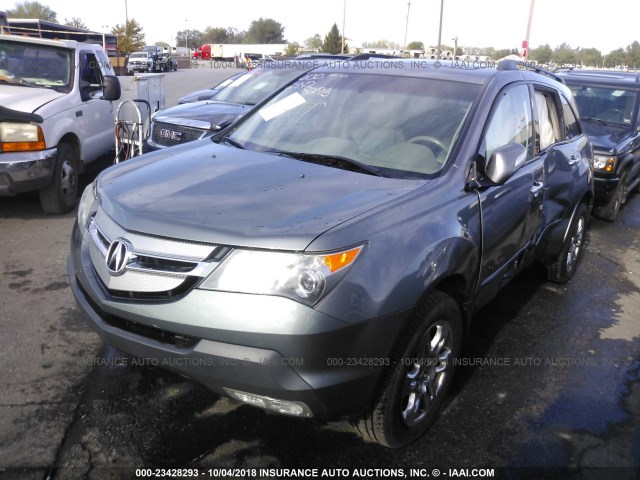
(406, 28)
(440, 31)
(104, 41)
(186, 38)
(344, 17)
(126, 13)
(455, 47)
(525, 44)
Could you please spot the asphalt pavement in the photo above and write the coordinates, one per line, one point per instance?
(549, 378)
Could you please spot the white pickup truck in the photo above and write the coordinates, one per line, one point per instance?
(56, 116)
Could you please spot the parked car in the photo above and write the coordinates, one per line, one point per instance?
(140, 62)
(56, 116)
(209, 93)
(193, 121)
(324, 255)
(609, 104)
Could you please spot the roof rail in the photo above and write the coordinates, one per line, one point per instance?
(524, 65)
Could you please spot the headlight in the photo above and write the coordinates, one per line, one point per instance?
(86, 206)
(603, 162)
(305, 278)
(21, 137)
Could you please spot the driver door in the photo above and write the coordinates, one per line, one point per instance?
(511, 212)
(91, 114)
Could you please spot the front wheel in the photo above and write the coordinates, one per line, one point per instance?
(611, 210)
(60, 196)
(565, 265)
(417, 382)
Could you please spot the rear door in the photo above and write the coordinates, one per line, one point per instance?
(559, 145)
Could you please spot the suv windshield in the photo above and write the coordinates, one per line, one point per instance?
(253, 87)
(138, 55)
(605, 104)
(395, 124)
(35, 65)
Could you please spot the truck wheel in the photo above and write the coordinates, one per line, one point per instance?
(61, 195)
(563, 268)
(611, 210)
(416, 383)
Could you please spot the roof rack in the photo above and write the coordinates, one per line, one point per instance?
(367, 56)
(524, 65)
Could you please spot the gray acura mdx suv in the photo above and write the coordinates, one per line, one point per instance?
(323, 256)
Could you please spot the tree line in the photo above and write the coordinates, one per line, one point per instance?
(131, 38)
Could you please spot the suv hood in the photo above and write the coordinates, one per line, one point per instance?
(218, 114)
(26, 99)
(217, 194)
(607, 138)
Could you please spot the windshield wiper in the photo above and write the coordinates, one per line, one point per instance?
(13, 81)
(595, 120)
(336, 160)
(233, 143)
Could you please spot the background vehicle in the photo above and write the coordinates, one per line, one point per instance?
(56, 116)
(209, 93)
(140, 62)
(231, 51)
(609, 104)
(234, 97)
(151, 59)
(338, 251)
(33, 27)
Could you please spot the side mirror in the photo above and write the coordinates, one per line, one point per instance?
(504, 162)
(111, 90)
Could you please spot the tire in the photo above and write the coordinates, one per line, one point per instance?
(564, 267)
(610, 211)
(416, 383)
(61, 195)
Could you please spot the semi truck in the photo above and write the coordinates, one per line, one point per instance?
(230, 51)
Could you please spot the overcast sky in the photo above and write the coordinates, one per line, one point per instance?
(605, 25)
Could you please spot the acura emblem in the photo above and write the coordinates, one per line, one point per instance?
(118, 255)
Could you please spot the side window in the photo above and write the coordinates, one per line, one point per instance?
(90, 68)
(105, 64)
(548, 119)
(511, 122)
(571, 125)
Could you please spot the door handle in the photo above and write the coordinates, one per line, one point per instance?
(574, 159)
(535, 190)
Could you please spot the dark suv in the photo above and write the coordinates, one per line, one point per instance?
(234, 97)
(609, 102)
(324, 256)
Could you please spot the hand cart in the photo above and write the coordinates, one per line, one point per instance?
(131, 134)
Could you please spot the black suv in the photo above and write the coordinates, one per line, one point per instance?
(608, 102)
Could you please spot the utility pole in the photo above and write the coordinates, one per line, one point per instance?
(455, 47)
(440, 31)
(126, 14)
(525, 44)
(406, 28)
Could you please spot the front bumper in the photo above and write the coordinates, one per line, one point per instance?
(26, 171)
(260, 344)
(604, 189)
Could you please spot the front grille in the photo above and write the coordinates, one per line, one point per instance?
(152, 267)
(168, 134)
(164, 336)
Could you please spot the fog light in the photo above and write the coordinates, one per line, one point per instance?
(285, 407)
